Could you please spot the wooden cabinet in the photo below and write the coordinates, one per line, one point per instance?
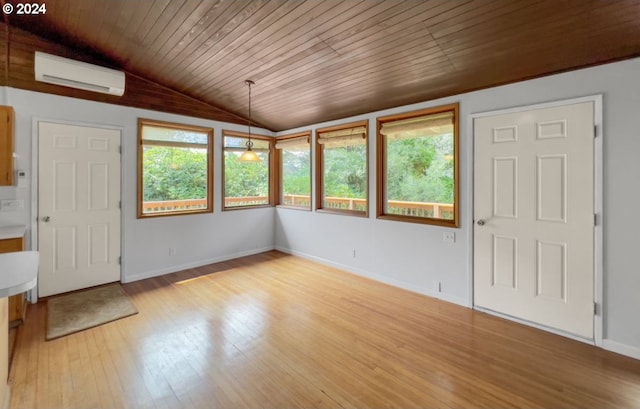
(6, 145)
(18, 302)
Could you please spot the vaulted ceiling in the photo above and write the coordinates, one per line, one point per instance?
(315, 60)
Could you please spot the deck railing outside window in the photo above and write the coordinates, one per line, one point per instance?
(418, 209)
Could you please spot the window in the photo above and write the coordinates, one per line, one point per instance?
(294, 157)
(175, 169)
(342, 167)
(246, 184)
(418, 166)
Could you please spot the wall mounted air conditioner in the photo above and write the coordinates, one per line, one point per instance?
(75, 74)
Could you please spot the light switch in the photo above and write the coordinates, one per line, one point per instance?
(21, 177)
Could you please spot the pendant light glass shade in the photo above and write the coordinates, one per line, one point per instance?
(249, 155)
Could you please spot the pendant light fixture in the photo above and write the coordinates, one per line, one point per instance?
(249, 155)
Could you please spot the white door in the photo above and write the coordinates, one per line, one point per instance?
(534, 217)
(78, 207)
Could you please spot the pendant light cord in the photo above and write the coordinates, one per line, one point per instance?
(249, 84)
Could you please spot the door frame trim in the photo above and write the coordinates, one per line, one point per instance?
(598, 250)
(32, 295)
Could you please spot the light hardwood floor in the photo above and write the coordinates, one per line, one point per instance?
(277, 331)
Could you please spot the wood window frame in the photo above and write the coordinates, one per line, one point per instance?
(381, 167)
(184, 127)
(280, 180)
(320, 169)
(273, 171)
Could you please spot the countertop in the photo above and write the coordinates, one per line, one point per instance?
(18, 272)
(12, 232)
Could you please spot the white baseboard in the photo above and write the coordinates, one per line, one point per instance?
(199, 263)
(623, 349)
(377, 277)
(609, 345)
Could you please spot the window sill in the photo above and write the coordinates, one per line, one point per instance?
(167, 214)
(224, 209)
(304, 209)
(420, 220)
(344, 212)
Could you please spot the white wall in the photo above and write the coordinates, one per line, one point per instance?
(198, 239)
(404, 254)
(415, 257)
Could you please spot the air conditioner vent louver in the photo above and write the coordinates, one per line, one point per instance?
(76, 74)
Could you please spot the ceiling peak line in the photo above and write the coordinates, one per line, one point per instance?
(240, 118)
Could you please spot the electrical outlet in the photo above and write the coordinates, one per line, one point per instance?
(449, 237)
(437, 286)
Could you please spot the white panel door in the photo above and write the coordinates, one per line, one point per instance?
(78, 207)
(533, 209)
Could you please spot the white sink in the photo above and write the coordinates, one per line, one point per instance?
(18, 272)
(12, 232)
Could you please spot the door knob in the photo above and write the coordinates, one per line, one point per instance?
(480, 222)
(46, 219)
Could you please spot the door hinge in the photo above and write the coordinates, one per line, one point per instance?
(119, 259)
(119, 204)
(120, 149)
(595, 219)
(595, 308)
(595, 131)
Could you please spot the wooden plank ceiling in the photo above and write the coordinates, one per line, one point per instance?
(314, 60)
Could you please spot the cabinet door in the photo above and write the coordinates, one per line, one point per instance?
(6, 146)
(11, 245)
